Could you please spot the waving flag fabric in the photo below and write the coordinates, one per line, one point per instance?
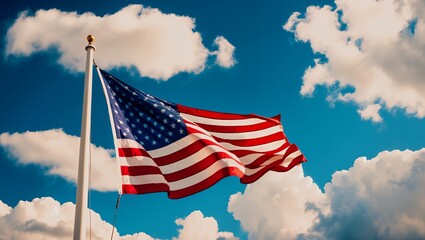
(167, 147)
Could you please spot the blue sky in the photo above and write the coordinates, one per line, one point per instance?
(348, 84)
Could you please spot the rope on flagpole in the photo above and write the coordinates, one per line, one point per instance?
(115, 215)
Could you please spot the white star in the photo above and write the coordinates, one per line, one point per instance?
(173, 125)
(139, 132)
(170, 133)
(153, 142)
(166, 140)
(165, 120)
(124, 133)
(121, 122)
(181, 131)
(146, 137)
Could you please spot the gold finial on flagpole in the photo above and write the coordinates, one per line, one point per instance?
(90, 39)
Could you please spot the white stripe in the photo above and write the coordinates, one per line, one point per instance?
(185, 182)
(285, 163)
(173, 147)
(247, 135)
(291, 157)
(263, 148)
(221, 122)
(196, 127)
(176, 166)
(271, 160)
(258, 148)
(248, 159)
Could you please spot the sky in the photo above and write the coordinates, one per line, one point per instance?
(346, 77)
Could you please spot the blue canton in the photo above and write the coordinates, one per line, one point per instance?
(152, 122)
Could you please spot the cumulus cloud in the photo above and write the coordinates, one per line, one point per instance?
(225, 53)
(47, 219)
(59, 152)
(159, 45)
(274, 207)
(381, 197)
(4, 209)
(373, 53)
(196, 226)
(371, 112)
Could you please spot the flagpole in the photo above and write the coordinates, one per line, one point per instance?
(84, 160)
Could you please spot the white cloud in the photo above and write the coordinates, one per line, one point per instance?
(196, 226)
(371, 112)
(274, 206)
(382, 197)
(4, 209)
(225, 53)
(159, 45)
(47, 219)
(59, 152)
(373, 47)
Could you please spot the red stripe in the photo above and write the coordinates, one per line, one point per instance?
(132, 152)
(249, 142)
(222, 116)
(196, 167)
(273, 167)
(139, 170)
(173, 157)
(237, 129)
(257, 163)
(252, 142)
(214, 178)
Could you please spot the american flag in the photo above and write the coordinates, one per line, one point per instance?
(167, 147)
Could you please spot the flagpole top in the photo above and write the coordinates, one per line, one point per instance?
(90, 39)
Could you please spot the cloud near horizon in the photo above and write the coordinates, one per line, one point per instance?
(46, 148)
(158, 45)
(382, 197)
(47, 219)
(370, 53)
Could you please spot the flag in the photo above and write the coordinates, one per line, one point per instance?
(167, 147)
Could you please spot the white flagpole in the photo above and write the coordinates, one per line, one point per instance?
(83, 164)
